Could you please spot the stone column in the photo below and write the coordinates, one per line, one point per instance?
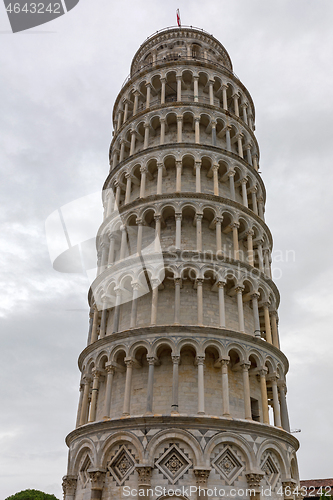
(148, 95)
(240, 145)
(215, 169)
(218, 228)
(213, 123)
(236, 106)
(94, 394)
(178, 282)
(284, 410)
(119, 119)
(235, 226)
(108, 389)
(162, 136)
(178, 217)
(136, 102)
(246, 388)
(128, 386)
(115, 158)
(143, 171)
(175, 363)
(255, 162)
(244, 192)
(144, 480)
(128, 188)
(260, 256)
(133, 139)
(146, 137)
(197, 129)
(201, 477)
(122, 150)
(254, 297)
(221, 285)
(179, 128)
(163, 81)
(201, 387)
(239, 291)
(254, 480)
(227, 137)
(261, 207)
(134, 310)
(179, 88)
(289, 487)
(91, 320)
(97, 478)
(102, 331)
(196, 88)
(276, 404)
(248, 154)
(224, 97)
(79, 408)
(197, 176)
(199, 282)
(116, 316)
(225, 388)
(198, 218)
(159, 178)
(105, 251)
(139, 223)
(110, 197)
(94, 333)
(266, 263)
(253, 192)
(125, 111)
(111, 249)
(117, 198)
(150, 386)
(211, 92)
(178, 176)
(231, 175)
(123, 244)
(154, 302)
(69, 484)
(267, 323)
(85, 401)
(275, 335)
(264, 401)
(249, 235)
(157, 232)
(244, 106)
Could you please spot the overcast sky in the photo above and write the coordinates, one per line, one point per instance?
(58, 85)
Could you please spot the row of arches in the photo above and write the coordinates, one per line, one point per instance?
(184, 84)
(182, 294)
(193, 378)
(87, 454)
(182, 126)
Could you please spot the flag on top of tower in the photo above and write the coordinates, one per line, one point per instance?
(178, 17)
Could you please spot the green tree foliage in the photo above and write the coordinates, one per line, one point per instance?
(31, 495)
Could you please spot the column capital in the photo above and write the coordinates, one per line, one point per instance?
(135, 285)
(139, 221)
(197, 163)
(178, 281)
(244, 180)
(152, 360)
(254, 479)
(249, 232)
(255, 295)
(157, 217)
(97, 477)
(235, 224)
(129, 362)
(224, 361)
(199, 281)
(231, 173)
(246, 366)
(200, 360)
(160, 164)
(96, 374)
(263, 371)
(218, 220)
(215, 167)
(198, 216)
(143, 169)
(109, 368)
(144, 474)
(178, 216)
(69, 484)
(221, 283)
(179, 118)
(201, 476)
(239, 289)
(175, 359)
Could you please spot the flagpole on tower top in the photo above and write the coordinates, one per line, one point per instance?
(178, 18)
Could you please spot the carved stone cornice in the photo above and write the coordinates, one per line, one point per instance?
(97, 478)
(254, 479)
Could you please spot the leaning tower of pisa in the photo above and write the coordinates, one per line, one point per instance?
(183, 381)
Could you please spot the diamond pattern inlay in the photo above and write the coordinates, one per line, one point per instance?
(228, 465)
(84, 476)
(173, 463)
(121, 465)
(271, 471)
